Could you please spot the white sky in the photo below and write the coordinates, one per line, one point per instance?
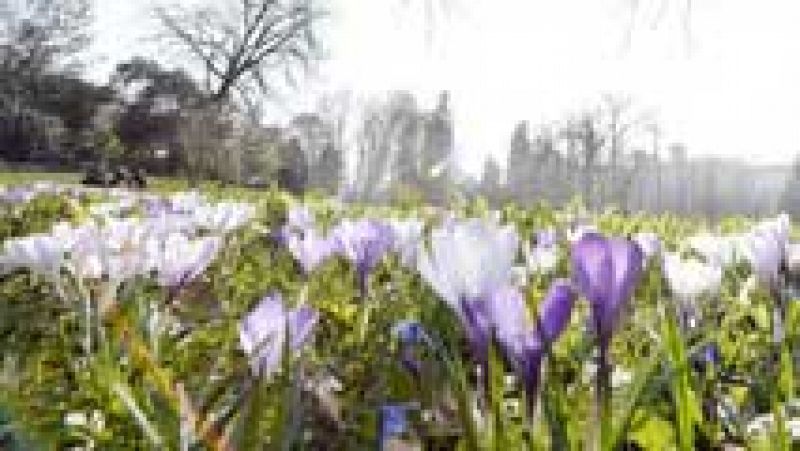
(729, 87)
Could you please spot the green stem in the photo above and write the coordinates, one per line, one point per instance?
(603, 393)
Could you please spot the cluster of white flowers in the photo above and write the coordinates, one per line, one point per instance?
(175, 241)
(763, 248)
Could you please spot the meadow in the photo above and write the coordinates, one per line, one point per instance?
(231, 319)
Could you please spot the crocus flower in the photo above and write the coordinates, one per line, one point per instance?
(578, 230)
(393, 422)
(543, 255)
(719, 250)
(300, 217)
(115, 249)
(523, 340)
(309, 248)
(186, 202)
(113, 209)
(178, 259)
(649, 243)
(408, 235)
(364, 242)
(411, 334)
(39, 253)
(793, 257)
(606, 270)
(223, 217)
(468, 261)
(708, 354)
(764, 252)
(154, 205)
(689, 279)
(263, 331)
(778, 227)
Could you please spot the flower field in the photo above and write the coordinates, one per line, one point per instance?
(243, 320)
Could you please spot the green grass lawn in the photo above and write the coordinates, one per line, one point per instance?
(16, 178)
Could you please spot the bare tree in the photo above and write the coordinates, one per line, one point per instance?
(242, 43)
(40, 92)
(624, 122)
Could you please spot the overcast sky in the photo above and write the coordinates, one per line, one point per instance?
(728, 87)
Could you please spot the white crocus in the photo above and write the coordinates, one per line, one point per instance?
(793, 257)
(223, 217)
(541, 258)
(469, 259)
(689, 279)
(408, 236)
(649, 243)
(577, 232)
(42, 254)
(177, 259)
(719, 250)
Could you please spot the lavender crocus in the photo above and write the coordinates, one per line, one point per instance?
(301, 237)
(300, 217)
(525, 341)
(262, 333)
(364, 242)
(606, 271)
(764, 252)
(309, 248)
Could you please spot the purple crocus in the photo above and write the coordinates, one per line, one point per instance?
(606, 271)
(523, 341)
(364, 242)
(411, 334)
(263, 331)
(393, 422)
